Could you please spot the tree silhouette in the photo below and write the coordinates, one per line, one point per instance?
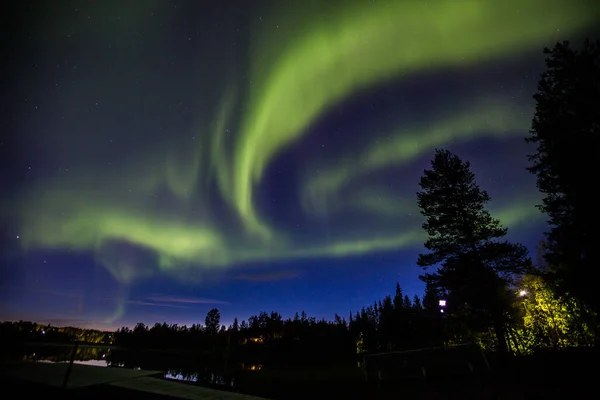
(213, 321)
(475, 268)
(566, 131)
(391, 324)
(417, 304)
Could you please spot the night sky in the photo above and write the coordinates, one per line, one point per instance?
(162, 157)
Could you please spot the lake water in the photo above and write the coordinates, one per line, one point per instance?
(180, 367)
(255, 375)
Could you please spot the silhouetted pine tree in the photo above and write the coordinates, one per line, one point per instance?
(566, 131)
(213, 321)
(417, 304)
(463, 241)
(431, 298)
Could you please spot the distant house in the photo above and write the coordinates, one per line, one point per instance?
(251, 367)
(258, 340)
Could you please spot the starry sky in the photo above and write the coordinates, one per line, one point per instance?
(163, 157)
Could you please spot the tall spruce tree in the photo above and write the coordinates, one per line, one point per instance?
(475, 267)
(566, 131)
(213, 321)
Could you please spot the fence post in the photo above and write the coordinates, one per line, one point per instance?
(70, 366)
(487, 364)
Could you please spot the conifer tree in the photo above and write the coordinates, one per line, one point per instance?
(475, 266)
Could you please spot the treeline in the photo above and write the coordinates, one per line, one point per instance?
(540, 320)
(26, 331)
(392, 324)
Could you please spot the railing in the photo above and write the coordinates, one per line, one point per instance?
(423, 364)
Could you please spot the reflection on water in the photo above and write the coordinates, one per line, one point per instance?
(204, 371)
(248, 372)
(180, 377)
(60, 354)
(205, 377)
(209, 378)
(92, 356)
(245, 374)
(93, 363)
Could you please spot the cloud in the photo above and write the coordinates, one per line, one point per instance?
(184, 300)
(268, 276)
(153, 304)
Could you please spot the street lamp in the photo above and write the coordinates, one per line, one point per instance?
(442, 304)
(523, 293)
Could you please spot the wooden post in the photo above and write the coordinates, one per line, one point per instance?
(487, 364)
(70, 366)
(227, 350)
(364, 367)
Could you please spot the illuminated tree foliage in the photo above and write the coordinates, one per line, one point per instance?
(549, 320)
(565, 129)
(474, 266)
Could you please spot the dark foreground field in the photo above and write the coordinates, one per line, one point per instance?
(570, 374)
(297, 391)
(565, 374)
(100, 392)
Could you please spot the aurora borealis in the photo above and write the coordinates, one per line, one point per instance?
(167, 156)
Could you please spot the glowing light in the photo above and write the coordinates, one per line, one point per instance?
(442, 303)
(523, 293)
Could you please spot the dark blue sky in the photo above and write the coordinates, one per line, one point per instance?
(162, 158)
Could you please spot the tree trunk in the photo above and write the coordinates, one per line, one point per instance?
(500, 331)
